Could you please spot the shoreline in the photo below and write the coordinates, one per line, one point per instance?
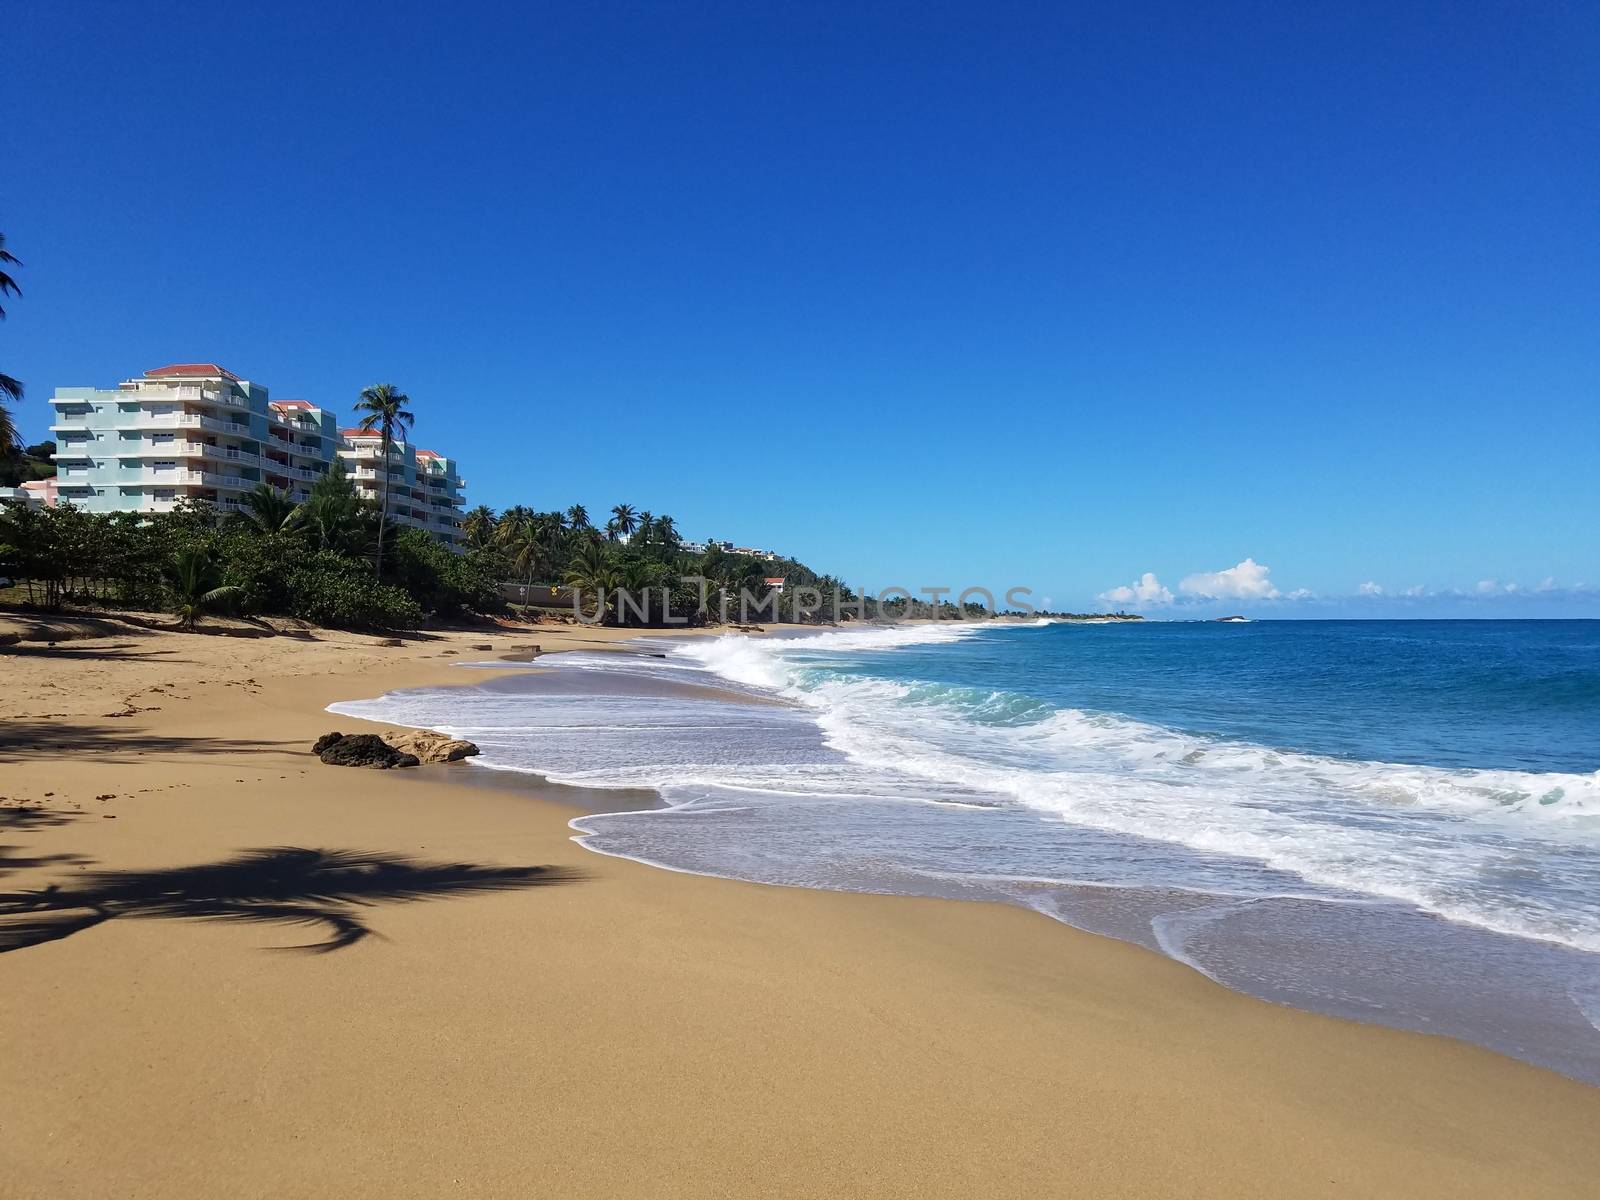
(619, 822)
(772, 1040)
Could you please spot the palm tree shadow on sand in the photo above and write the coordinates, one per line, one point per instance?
(283, 885)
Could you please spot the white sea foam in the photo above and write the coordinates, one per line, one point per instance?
(1462, 844)
(1437, 838)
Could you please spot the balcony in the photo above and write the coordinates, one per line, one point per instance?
(220, 453)
(273, 471)
(193, 393)
(191, 450)
(235, 483)
(186, 420)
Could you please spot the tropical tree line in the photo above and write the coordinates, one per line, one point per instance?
(318, 560)
(634, 569)
(315, 560)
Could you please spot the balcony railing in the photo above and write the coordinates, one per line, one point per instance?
(273, 467)
(182, 421)
(191, 392)
(188, 479)
(192, 450)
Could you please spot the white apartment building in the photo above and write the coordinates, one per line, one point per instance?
(197, 431)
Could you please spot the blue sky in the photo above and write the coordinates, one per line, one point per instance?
(1265, 300)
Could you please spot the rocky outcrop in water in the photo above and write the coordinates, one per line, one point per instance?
(430, 747)
(361, 750)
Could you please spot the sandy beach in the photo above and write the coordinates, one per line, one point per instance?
(602, 1028)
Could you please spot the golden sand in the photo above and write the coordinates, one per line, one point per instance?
(622, 1031)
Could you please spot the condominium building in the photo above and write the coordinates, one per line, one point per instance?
(425, 490)
(196, 431)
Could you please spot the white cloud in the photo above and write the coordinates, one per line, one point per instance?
(1301, 594)
(1547, 584)
(1371, 589)
(1488, 587)
(1246, 581)
(1418, 590)
(1144, 592)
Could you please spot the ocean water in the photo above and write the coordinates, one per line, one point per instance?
(1393, 821)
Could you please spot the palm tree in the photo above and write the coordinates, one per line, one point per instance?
(478, 526)
(520, 535)
(625, 519)
(196, 584)
(667, 531)
(271, 511)
(509, 527)
(591, 571)
(578, 517)
(10, 389)
(7, 284)
(646, 528)
(551, 528)
(384, 408)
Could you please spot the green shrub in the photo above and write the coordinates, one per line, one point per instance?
(326, 588)
(442, 582)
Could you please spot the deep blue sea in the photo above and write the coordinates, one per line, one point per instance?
(1397, 821)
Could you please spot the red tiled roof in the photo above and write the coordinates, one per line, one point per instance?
(290, 403)
(360, 433)
(428, 454)
(199, 370)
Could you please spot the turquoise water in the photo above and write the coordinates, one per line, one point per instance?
(1393, 821)
(1521, 695)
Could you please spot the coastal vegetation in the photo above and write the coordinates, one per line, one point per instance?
(637, 569)
(317, 560)
(314, 560)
